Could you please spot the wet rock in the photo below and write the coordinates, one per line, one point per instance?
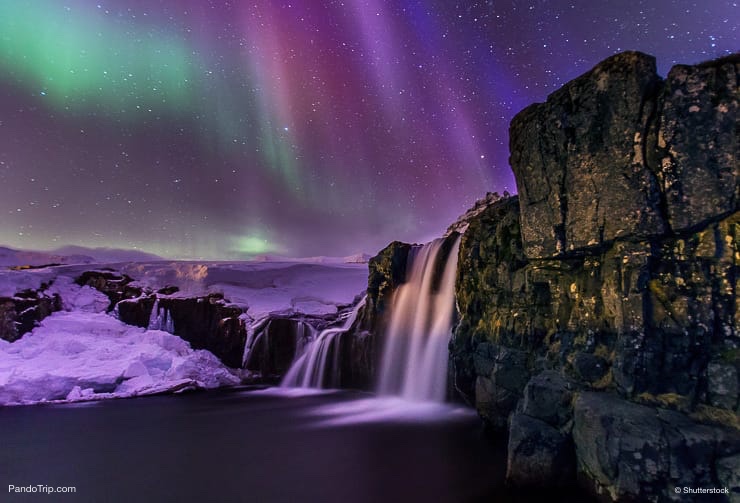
(634, 452)
(728, 475)
(548, 397)
(538, 454)
(275, 346)
(589, 368)
(497, 393)
(209, 323)
(387, 270)
(619, 446)
(722, 385)
(205, 322)
(136, 311)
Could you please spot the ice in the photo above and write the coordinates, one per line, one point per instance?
(85, 355)
(78, 298)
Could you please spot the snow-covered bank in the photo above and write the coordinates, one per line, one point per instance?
(84, 353)
(87, 355)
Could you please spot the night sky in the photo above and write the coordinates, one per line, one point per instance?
(197, 129)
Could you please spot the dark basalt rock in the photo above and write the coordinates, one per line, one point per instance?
(275, 346)
(548, 396)
(24, 311)
(634, 452)
(205, 322)
(579, 159)
(538, 454)
(136, 311)
(616, 271)
(696, 153)
(208, 323)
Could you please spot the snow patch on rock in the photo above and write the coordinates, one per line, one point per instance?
(83, 355)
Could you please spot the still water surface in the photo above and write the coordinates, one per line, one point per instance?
(260, 446)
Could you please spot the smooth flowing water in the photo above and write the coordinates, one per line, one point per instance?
(318, 366)
(414, 361)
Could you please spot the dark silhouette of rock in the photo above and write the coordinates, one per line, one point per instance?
(24, 311)
(538, 454)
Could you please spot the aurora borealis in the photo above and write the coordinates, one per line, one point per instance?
(223, 129)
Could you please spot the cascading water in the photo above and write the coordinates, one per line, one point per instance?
(318, 366)
(275, 343)
(414, 360)
(160, 319)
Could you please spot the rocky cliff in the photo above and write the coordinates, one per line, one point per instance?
(599, 309)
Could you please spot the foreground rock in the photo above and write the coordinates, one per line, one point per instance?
(22, 312)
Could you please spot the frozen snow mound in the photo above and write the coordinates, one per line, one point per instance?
(88, 355)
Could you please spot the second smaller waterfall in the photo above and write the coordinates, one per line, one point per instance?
(161, 319)
(319, 365)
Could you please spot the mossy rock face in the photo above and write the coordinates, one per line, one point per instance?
(387, 270)
(623, 239)
(616, 269)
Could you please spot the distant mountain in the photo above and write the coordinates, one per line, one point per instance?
(10, 257)
(359, 258)
(108, 254)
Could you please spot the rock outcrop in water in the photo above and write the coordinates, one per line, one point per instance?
(599, 309)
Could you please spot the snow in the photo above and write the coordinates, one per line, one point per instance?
(263, 287)
(86, 355)
(82, 353)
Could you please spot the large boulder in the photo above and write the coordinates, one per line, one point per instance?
(538, 454)
(548, 397)
(635, 452)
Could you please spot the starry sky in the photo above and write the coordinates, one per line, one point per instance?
(222, 130)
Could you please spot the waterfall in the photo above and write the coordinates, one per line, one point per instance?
(161, 319)
(414, 359)
(319, 365)
(274, 347)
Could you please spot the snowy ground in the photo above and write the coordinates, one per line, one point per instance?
(263, 288)
(82, 353)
